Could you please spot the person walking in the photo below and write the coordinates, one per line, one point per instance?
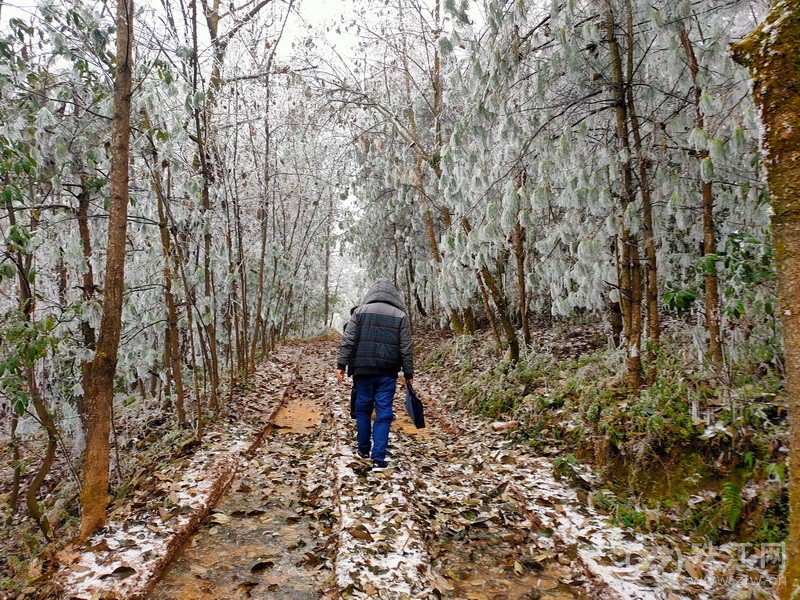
(377, 345)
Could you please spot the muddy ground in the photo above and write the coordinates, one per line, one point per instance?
(306, 518)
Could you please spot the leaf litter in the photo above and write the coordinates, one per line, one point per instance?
(619, 563)
(269, 535)
(124, 558)
(462, 512)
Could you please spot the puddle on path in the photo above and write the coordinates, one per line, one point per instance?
(299, 416)
(266, 539)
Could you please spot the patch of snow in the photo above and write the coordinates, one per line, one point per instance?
(384, 551)
(125, 558)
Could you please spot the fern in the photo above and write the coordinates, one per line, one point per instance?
(731, 503)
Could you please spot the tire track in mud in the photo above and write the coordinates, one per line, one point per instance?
(268, 537)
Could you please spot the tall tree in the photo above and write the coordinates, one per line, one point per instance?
(709, 236)
(772, 54)
(100, 386)
(630, 280)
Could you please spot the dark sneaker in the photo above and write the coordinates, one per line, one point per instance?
(363, 454)
(379, 464)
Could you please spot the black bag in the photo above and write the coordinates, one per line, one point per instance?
(353, 401)
(414, 407)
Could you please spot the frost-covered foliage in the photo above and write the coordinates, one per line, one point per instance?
(234, 192)
(524, 94)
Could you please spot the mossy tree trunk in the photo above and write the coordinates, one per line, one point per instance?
(772, 54)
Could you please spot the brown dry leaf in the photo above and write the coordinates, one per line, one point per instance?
(35, 568)
(360, 532)
(120, 572)
(198, 570)
(220, 518)
(79, 568)
(694, 568)
(67, 556)
(262, 565)
(101, 546)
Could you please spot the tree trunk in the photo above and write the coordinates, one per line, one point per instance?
(16, 477)
(469, 321)
(259, 327)
(87, 291)
(630, 269)
(61, 272)
(173, 352)
(327, 282)
(191, 305)
(456, 321)
(503, 313)
(489, 312)
(519, 254)
(614, 315)
(100, 392)
(32, 493)
(205, 198)
(772, 53)
(26, 307)
(709, 236)
(651, 264)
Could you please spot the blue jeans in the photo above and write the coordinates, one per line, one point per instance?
(374, 391)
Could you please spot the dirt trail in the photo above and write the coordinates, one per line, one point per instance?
(307, 518)
(482, 543)
(267, 538)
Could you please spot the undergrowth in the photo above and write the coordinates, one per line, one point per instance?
(696, 452)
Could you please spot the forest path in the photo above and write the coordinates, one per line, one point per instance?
(306, 518)
(266, 537)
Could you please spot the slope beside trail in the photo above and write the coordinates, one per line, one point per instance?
(462, 512)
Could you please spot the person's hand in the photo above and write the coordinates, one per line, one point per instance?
(340, 375)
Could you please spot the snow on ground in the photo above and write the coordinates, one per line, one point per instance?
(463, 511)
(127, 556)
(381, 552)
(624, 564)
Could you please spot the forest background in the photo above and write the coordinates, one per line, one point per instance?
(519, 169)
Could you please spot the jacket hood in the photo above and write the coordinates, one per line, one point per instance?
(383, 291)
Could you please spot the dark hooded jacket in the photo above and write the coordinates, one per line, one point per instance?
(377, 340)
